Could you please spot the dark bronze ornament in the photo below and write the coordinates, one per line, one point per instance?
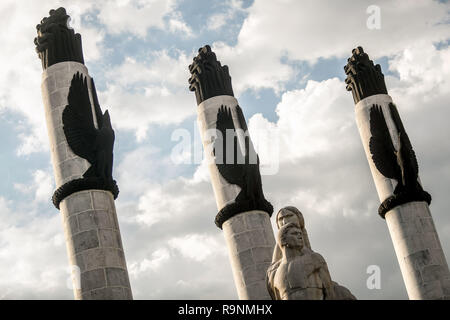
(86, 141)
(209, 79)
(364, 79)
(55, 41)
(400, 164)
(243, 170)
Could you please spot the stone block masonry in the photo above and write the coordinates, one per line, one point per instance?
(250, 240)
(94, 245)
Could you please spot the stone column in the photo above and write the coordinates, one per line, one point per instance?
(85, 194)
(394, 167)
(244, 213)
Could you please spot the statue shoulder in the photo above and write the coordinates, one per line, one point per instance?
(274, 266)
(317, 258)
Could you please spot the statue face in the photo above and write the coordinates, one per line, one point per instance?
(294, 238)
(285, 217)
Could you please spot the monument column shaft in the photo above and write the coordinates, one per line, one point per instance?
(244, 213)
(416, 242)
(395, 171)
(94, 244)
(248, 235)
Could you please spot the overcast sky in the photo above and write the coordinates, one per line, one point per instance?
(286, 60)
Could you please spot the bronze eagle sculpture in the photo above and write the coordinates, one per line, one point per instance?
(400, 164)
(242, 171)
(86, 141)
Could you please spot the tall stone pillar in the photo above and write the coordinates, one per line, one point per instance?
(244, 213)
(81, 141)
(394, 167)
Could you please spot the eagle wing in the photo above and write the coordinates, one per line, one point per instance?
(233, 173)
(249, 148)
(78, 123)
(98, 111)
(381, 146)
(407, 146)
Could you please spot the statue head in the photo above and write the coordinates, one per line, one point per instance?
(291, 236)
(290, 215)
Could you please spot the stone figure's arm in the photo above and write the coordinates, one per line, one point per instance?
(277, 254)
(326, 278)
(270, 275)
(269, 289)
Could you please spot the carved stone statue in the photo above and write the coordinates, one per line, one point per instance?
(300, 274)
(292, 216)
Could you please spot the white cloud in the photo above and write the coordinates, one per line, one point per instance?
(219, 20)
(153, 99)
(177, 24)
(37, 262)
(42, 186)
(198, 247)
(138, 16)
(423, 71)
(308, 30)
(158, 259)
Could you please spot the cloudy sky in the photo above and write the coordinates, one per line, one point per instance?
(286, 60)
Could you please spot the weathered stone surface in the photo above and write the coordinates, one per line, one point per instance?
(254, 289)
(85, 240)
(240, 242)
(262, 254)
(58, 98)
(109, 293)
(103, 200)
(109, 238)
(92, 259)
(433, 272)
(94, 244)
(249, 270)
(258, 238)
(86, 220)
(117, 277)
(73, 224)
(255, 221)
(245, 258)
(77, 202)
(251, 275)
(114, 258)
(432, 290)
(93, 279)
(103, 219)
